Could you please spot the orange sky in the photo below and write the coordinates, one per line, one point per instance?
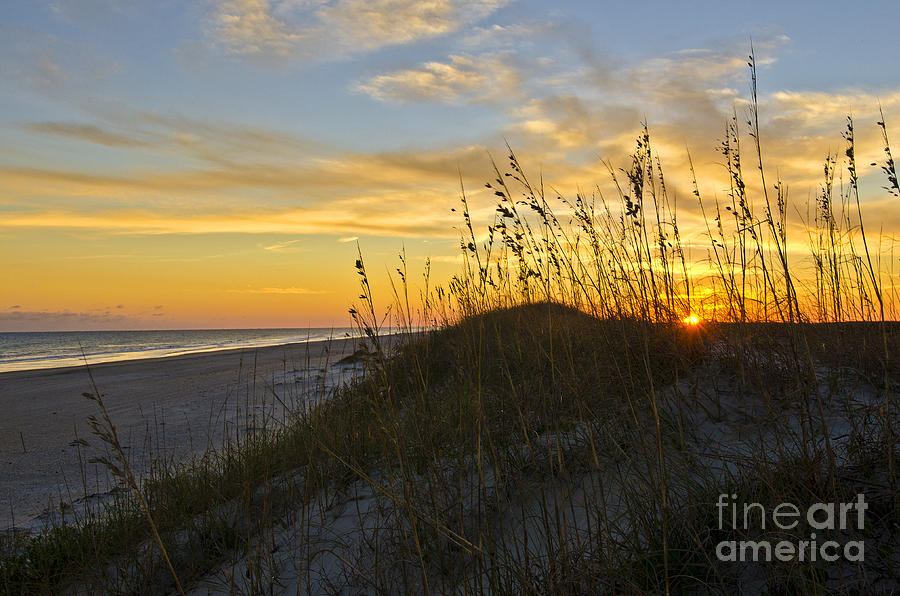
(215, 166)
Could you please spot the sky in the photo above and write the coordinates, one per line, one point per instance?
(215, 163)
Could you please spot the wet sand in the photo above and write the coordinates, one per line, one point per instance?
(162, 407)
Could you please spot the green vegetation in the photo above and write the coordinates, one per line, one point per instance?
(558, 428)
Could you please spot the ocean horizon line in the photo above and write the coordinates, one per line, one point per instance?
(43, 350)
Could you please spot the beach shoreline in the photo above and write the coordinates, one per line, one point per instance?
(52, 350)
(167, 408)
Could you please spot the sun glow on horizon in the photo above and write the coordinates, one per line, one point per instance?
(221, 172)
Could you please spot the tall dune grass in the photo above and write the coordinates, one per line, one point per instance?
(624, 256)
(557, 427)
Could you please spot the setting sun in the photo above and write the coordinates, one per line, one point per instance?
(691, 320)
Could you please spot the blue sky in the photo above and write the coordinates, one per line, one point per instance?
(171, 57)
(134, 131)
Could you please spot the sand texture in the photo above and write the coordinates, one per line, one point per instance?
(162, 407)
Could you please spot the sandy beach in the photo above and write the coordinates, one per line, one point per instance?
(162, 407)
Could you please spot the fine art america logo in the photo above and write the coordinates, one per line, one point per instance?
(787, 516)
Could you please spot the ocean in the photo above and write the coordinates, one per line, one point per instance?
(35, 350)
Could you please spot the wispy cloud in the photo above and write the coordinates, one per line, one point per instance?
(498, 36)
(468, 79)
(47, 64)
(86, 132)
(286, 246)
(404, 219)
(249, 27)
(457, 259)
(118, 125)
(401, 193)
(322, 29)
